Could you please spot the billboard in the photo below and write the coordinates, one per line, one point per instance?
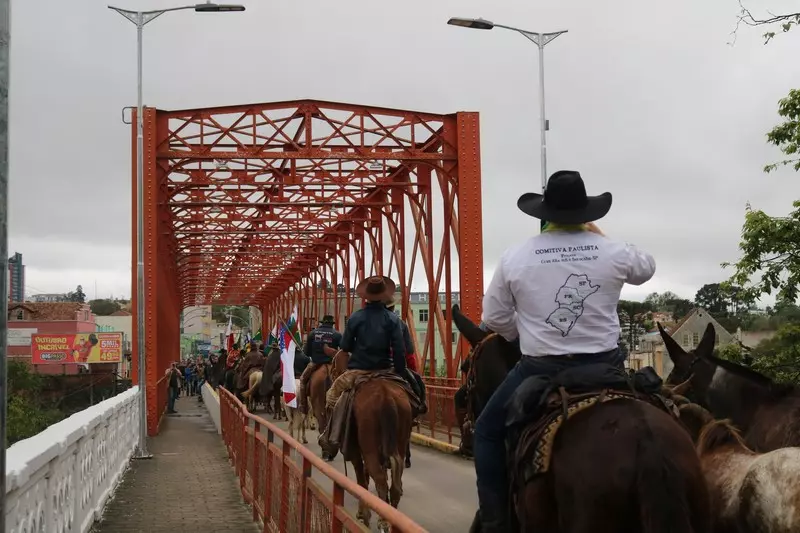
(20, 336)
(66, 348)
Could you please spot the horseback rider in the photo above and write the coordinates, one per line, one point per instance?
(373, 336)
(323, 335)
(252, 361)
(558, 293)
(412, 373)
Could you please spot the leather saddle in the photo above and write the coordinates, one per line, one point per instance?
(541, 405)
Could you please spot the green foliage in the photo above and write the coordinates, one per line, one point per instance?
(786, 135)
(77, 295)
(27, 413)
(671, 303)
(779, 357)
(635, 318)
(770, 247)
(732, 352)
(104, 307)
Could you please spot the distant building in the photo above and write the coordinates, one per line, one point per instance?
(48, 298)
(26, 319)
(16, 278)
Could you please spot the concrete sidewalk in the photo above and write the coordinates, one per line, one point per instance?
(188, 485)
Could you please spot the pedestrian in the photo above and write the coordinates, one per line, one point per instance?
(173, 386)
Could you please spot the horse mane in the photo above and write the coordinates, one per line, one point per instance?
(775, 390)
(720, 433)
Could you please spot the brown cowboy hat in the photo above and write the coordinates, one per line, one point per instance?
(376, 288)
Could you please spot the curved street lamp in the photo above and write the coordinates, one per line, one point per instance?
(540, 40)
(140, 19)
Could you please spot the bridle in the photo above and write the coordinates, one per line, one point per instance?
(333, 373)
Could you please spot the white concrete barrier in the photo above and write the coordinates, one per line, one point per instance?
(211, 401)
(60, 480)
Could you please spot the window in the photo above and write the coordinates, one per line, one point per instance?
(686, 340)
(695, 338)
(423, 315)
(455, 337)
(716, 339)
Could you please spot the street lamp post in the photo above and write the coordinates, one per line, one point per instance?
(140, 19)
(540, 40)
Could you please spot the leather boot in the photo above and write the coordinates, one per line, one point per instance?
(423, 408)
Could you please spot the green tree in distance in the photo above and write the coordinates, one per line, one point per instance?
(635, 318)
(104, 307)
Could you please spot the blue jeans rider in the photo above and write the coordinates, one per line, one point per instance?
(557, 294)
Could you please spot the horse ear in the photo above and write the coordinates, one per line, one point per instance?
(674, 350)
(471, 332)
(706, 346)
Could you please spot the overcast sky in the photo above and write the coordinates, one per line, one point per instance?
(647, 100)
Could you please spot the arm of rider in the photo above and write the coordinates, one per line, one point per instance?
(640, 265)
(398, 348)
(499, 312)
(407, 340)
(346, 344)
(336, 342)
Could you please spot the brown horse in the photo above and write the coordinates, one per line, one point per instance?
(767, 413)
(382, 418)
(609, 459)
(321, 381)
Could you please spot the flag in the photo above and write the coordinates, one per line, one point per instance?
(273, 336)
(287, 347)
(257, 338)
(229, 335)
(294, 328)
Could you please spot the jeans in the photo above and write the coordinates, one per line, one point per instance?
(172, 394)
(490, 431)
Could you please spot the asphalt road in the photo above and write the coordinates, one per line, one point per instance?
(438, 490)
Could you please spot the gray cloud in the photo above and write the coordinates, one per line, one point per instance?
(647, 101)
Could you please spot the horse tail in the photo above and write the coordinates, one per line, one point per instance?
(663, 503)
(253, 386)
(390, 420)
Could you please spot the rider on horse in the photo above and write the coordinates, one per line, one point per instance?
(324, 334)
(558, 293)
(373, 336)
(412, 372)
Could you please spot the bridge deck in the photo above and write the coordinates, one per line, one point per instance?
(188, 485)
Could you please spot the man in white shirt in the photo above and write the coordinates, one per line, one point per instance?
(557, 293)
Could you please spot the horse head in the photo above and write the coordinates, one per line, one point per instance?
(693, 370)
(718, 435)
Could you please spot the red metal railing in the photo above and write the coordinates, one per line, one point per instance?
(439, 422)
(282, 489)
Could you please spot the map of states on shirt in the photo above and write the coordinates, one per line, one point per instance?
(570, 298)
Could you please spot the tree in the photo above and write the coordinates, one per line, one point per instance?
(770, 247)
(786, 21)
(711, 297)
(104, 307)
(786, 135)
(634, 319)
(77, 296)
(660, 302)
(241, 314)
(779, 357)
(27, 413)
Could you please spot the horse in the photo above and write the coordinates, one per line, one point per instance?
(617, 455)
(767, 413)
(382, 418)
(250, 394)
(750, 492)
(321, 381)
(295, 416)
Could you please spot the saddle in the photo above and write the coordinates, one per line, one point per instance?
(340, 435)
(541, 405)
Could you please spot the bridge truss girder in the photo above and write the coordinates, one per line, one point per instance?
(292, 203)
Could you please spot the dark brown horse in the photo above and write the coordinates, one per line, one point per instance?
(382, 417)
(621, 466)
(767, 413)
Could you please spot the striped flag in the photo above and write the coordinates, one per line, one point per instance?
(273, 336)
(287, 347)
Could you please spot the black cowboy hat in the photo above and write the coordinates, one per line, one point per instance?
(376, 288)
(565, 201)
(328, 319)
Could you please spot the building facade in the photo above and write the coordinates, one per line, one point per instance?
(16, 278)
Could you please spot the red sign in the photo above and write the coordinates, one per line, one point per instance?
(67, 348)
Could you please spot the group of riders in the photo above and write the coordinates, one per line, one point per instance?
(552, 300)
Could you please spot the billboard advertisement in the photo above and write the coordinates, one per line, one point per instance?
(66, 348)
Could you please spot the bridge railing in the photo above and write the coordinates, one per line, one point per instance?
(440, 422)
(287, 492)
(61, 478)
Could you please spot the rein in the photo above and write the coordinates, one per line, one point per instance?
(476, 351)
